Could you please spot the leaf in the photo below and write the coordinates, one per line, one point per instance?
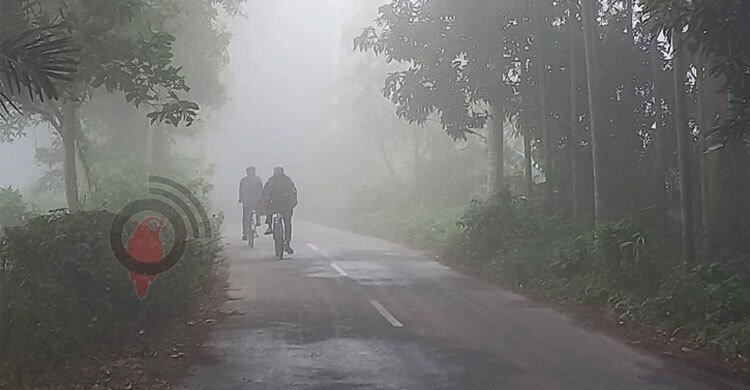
(33, 59)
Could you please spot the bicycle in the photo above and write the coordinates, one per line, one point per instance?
(253, 229)
(278, 228)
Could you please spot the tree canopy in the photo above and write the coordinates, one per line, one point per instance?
(594, 90)
(123, 46)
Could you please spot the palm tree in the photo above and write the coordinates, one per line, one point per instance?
(31, 62)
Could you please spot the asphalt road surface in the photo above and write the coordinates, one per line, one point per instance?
(353, 312)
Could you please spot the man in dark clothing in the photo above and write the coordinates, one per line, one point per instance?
(251, 193)
(280, 196)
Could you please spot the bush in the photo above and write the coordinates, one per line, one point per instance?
(629, 266)
(623, 265)
(13, 209)
(63, 289)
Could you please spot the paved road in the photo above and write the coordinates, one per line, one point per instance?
(352, 312)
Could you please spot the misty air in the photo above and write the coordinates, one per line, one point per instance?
(374, 194)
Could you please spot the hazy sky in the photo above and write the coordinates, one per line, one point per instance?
(18, 157)
(281, 79)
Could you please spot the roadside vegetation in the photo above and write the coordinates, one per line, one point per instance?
(65, 296)
(604, 144)
(120, 85)
(631, 267)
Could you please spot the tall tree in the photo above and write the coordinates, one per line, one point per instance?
(125, 47)
(495, 150)
(684, 148)
(547, 138)
(589, 9)
(577, 168)
(441, 71)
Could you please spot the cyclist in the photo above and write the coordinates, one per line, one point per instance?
(251, 193)
(280, 196)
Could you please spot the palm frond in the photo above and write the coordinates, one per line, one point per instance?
(31, 62)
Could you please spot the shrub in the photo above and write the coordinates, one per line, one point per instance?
(13, 209)
(62, 288)
(624, 265)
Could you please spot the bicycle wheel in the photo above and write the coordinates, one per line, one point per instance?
(251, 238)
(253, 230)
(278, 237)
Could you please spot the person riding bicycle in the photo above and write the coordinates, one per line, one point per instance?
(280, 196)
(251, 194)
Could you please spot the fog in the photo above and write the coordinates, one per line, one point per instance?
(288, 62)
(20, 155)
(283, 81)
(451, 157)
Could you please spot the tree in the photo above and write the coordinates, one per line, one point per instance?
(624, 144)
(597, 143)
(13, 209)
(717, 34)
(439, 81)
(718, 30)
(578, 171)
(684, 149)
(124, 47)
(31, 61)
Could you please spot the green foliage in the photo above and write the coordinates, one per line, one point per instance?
(63, 290)
(518, 57)
(420, 226)
(630, 266)
(717, 30)
(125, 46)
(175, 112)
(31, 61)
(623, 265)
(431, 41)
(118, 182)
(13, 209)
(153, 53)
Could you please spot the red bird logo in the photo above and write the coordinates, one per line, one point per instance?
(145, 246)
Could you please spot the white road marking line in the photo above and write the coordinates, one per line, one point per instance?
(339, 269)
(316, 249)
(335, 266)
(386, 314)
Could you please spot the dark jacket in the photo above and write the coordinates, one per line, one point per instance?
(280, 194)
(251, 191)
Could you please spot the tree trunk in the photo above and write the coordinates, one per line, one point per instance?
(627, 133)
(573, 142)
(528, 164)
(418, 171)
(660, 139)
(683, 149)
(547, 140)
(714, 104)
(4, 335)
(704, 126)
(582, 173)
(495, 151)
(597, 135)
(70, 127)
(150, 148)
